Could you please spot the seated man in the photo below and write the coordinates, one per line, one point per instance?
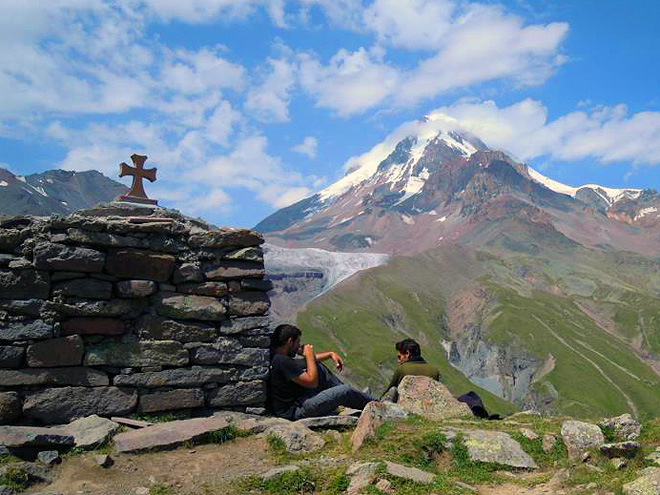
(304, 389)
(409, 357)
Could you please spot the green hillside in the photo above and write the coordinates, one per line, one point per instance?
(594, 313)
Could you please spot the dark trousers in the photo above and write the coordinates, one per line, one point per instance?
(328, 395)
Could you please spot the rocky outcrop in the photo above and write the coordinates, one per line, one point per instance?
(580, 437)
(623, 427)
(124, 307)
(493, 446)
(373, 415)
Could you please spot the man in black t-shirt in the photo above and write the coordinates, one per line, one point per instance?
(303, 388)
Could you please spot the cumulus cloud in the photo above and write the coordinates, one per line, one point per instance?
(269, 101)
(307, 147)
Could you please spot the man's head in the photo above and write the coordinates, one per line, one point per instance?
(406, 349)
(285, 340)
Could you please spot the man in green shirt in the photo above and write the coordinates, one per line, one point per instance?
(411, 362)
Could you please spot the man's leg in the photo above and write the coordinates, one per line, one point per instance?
(328, 400)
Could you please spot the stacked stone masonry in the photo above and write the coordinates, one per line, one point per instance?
(124, 308)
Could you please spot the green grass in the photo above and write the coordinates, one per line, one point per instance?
(160, 489)
(16, 478)
(162, 417)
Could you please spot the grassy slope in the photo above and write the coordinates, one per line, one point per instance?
(367, 315)
(595, 373)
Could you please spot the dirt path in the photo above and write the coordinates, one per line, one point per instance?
(186, 470)
(513, 489)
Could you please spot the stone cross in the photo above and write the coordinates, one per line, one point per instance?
(137, 194)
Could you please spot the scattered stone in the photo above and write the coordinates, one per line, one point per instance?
(136, 288)
(624, 427)
(93, 326)
(593, 468)
(296, 438)
(529, 434)
(618, 463)
(361, 475)
(465, 486)
(548, 443)
(373, 415)
(271, 474)
(654, 457)
(648, 483)
(5, 490)
(579, 436)
(408, 473)
(135, 423)
(34, 436)
(174, 399)
(63, 351)
(430, 399)
(189, 307)
(167, 435)
(620, 449)
(104, 460)
(90, 432)
(10, 407)
(329, 422)
(494, 446)
(49, 457)
(61, 405)
(35, 472)
(142, 490)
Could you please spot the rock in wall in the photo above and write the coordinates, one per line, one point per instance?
(125, 308)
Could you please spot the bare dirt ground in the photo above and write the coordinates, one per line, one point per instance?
(187, 470)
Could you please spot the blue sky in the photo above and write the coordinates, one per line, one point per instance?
(246, 106)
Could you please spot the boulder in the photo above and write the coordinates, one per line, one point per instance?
(189, 307)
(579, 437)
(34, 436)
(50, 256)
(10, 408)
(24, 284)
(325, 422)
(61, 405)
(93, 326)
(409, 473)
(430, 399)
(373, 415)
(620, 449)
(494, 446)
(138, 264)
(63, 351)
(167, 435)
(623, 427)
(648, 483)
(297, 438)
(361, 475)
(173, 399)
(90, 432)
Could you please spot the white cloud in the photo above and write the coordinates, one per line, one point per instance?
(269, 101)
(307, 147)
(221, 123)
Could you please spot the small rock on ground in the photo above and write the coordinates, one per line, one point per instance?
(361, 474)
(385, 486)
(104, 460)
(408, 473)
(529, 434)
(296, 438)
(49, 457)
(279, 471)
(647, 484)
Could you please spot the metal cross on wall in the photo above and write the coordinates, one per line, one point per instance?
(137, 194)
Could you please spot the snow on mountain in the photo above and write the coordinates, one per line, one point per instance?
(610, 195)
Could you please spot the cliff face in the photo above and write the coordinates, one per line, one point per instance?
(126, 308)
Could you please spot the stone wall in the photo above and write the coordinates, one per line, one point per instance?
(125, 308)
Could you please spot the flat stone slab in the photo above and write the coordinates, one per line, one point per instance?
(408, 473)
(135, 423)
(167, 435)
(34, 436)
(494, 446)
(91, 431)
(325, 422)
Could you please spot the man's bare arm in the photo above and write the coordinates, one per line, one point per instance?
(339, 362)
(310, 377)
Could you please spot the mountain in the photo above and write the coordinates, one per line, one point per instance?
(544, 295)
(440, 184)
(55, 191)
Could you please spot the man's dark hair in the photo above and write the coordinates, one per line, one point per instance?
(408, 346)
(282, 334)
